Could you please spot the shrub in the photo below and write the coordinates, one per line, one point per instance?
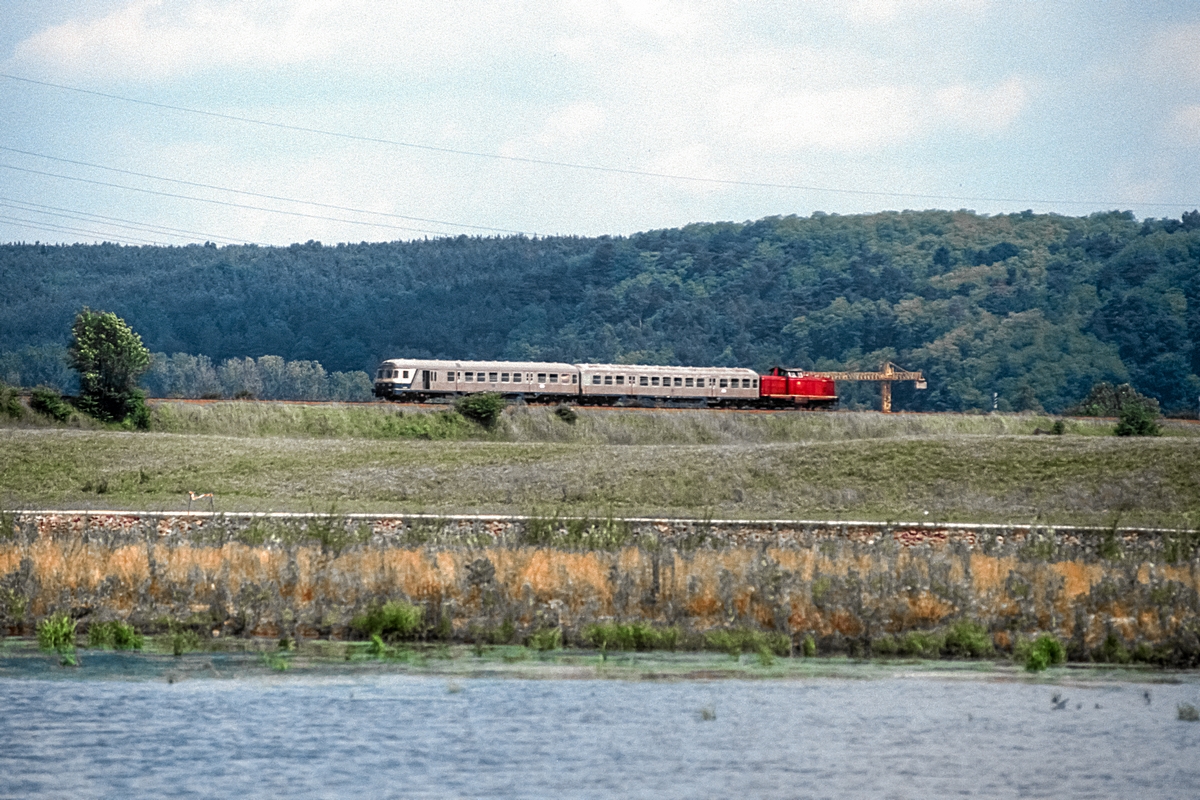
(184, 641)
(634, 636)
(50, 403)
(1107, 400)
(115, 634)
(483, 408)
(1045, 651)
(566, 414)
(10, 402)
(1112, 651)
(546, 639)
(56, 632)
(1138, 420)
(393, 621)
(967, 639)
(809, 646)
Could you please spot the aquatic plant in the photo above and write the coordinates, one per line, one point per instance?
(56, 632)
(115, 634)
(631, 636)
(708, 714)
(184, 640)
(747, 640)
(393, 621)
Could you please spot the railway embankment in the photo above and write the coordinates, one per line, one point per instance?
(857, 587)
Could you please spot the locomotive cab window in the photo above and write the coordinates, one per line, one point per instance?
(405, 373)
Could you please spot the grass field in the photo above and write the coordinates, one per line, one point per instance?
(260, 456)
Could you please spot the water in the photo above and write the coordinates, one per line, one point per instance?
(394, 735)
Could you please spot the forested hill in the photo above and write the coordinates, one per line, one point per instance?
(1034, 307)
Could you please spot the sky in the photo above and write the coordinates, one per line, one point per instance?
(139, 121)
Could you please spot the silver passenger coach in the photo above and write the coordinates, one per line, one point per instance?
(539, 381)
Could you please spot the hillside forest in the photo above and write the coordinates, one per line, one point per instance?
(1035, 308)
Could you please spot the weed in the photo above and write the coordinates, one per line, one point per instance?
(765, 657)
(56, 632)
(394, 621)
(277, 661)
(708, 714)
(809, 646)
(545, 639)
(577, 532)
(1186, 712)
(1046, 651)
(377, 648)
(287, 644)
(115, 634)
(566, 414)
(967, 639)
(1110, 547)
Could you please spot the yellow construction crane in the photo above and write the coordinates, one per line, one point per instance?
(890, 372)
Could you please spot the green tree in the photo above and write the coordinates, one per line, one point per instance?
(109, 358)
(1138, 419)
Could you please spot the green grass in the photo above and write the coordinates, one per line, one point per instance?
(115, 634)
(392, 621)
(793, 465)
(56, 632)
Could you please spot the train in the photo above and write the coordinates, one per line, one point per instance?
(421, 380)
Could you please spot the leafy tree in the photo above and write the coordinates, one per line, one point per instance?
(1107, 400)
(483, 408)
(109, 358)
(1138, 419)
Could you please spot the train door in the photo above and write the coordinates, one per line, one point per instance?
(425, 379)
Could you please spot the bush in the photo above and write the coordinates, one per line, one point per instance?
(115, 634)
(546, 639)
(50, 403)
(566, 414)
(483, 408)
(1045, 651)
(634, 636)
(967, 639)
(747, 640)
(1138, 420)
(393, 621)
(56, 632)
(10, 402)
(1106, 400)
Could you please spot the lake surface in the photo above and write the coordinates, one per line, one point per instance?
(888, 733)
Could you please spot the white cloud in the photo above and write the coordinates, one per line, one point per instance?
(1184, 126)
(1174, 54)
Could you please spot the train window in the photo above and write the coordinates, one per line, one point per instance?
(596, 380)
(574, 378)
(654, 380)
(516, 377)
(644, 381)
(541, 377)
(608, 380)
(679, 381)
(468, 376)
(724, 383)
(491, 377)
(620, 380)
(504, 377)
(688, 381)
(755, 386)
(554, 377)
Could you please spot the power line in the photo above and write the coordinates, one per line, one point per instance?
(87, 216)
(257, 194)
(47, 226)
(587, 167)
(220, 202)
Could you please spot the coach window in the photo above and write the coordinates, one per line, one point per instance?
(491, 377)
(688, 381)
(596, 380)
(554, 377)
(541, 377)
(724, 383)
(654, 380)
(608, 380)
(574, 379)
(644, 381)
(620, 380)
(679, 381)
(504, 377)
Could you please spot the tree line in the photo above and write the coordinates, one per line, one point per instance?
(1028, 311)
